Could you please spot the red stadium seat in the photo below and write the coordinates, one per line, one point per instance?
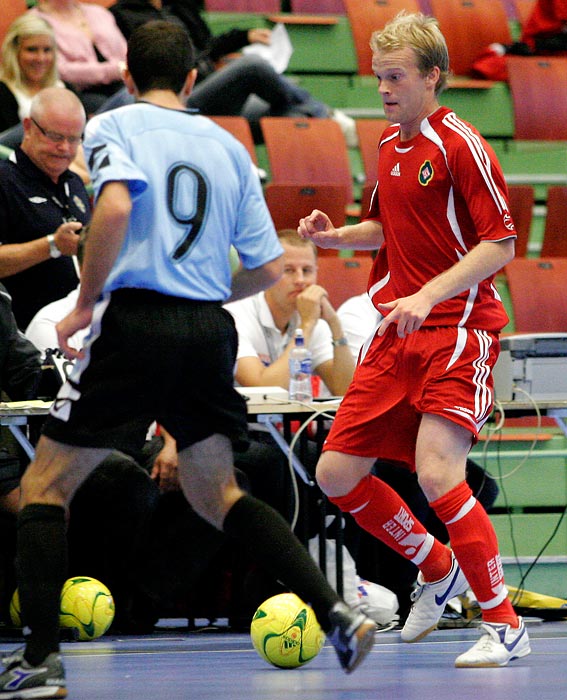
(239, 127)
(307, 152)
(537, 294)
(343, 277)
(10, 10)
(366, 16)
(530, 77)
(318, 7)
(469, 26)
(521, 199)
(288, 203)
(555, 232)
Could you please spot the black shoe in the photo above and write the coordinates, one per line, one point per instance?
(352, 635)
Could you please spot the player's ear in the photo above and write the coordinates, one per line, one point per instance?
(189, 83)
(127, 79)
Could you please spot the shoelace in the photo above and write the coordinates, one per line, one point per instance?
(486, 642)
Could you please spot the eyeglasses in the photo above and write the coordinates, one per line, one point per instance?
(55, 137)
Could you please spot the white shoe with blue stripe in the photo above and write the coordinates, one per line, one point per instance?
(498, 644)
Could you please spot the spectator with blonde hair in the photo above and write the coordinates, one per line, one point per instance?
(28, 65)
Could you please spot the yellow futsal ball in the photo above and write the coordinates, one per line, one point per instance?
(285, 631)
(15, 614)
(87, 605)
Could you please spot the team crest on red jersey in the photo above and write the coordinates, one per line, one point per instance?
(425, 173)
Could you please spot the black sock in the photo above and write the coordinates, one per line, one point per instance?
(41, 567)
(268, 538)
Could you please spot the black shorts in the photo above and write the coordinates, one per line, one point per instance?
(152, 357)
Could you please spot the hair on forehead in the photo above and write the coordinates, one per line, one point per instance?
(420, 33)
(292, 238)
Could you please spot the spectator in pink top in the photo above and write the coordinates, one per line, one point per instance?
(91, 48)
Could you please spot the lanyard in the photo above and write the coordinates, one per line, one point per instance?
(67, 214)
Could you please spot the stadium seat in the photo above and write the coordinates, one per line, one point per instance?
(343, 277)
(10, 10)
(239, 127)
(537, 294)
(366, 16)
(531, 78)
(288, 203)
(242, 6)
(524, 9)
(469, 26)
(554, 243)
(318, 7)
(521, 199)
(369, 132)
(307, 152)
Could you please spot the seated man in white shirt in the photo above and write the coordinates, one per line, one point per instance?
(267, 321)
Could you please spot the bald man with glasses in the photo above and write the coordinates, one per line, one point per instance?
(43, 205)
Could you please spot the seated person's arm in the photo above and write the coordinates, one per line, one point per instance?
(251, 371)
(15, 257)
(336, 373)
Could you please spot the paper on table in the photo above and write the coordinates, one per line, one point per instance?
(277, 53)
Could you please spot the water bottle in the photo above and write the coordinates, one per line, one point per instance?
(300, 370)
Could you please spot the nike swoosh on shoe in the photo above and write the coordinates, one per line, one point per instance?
(440, 599)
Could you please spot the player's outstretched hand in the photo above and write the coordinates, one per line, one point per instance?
(318, 227)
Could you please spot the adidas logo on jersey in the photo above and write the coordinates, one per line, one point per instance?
(395, 171)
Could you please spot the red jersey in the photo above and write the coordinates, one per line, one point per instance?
(438, 196)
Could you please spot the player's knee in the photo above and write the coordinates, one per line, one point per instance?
(435, 483)
(334, 475)
(212, 504)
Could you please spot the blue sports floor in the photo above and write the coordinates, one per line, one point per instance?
(214, 665)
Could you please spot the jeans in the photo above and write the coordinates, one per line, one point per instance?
(248, 87)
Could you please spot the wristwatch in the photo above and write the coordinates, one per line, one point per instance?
(54, 251)
(340, 341)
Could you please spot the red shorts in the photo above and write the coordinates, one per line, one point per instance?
(443, 371)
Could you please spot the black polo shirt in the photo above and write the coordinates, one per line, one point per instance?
(32, 206)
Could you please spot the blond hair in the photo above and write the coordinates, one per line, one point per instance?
(23, 27)
(292, 238)
(421, 34)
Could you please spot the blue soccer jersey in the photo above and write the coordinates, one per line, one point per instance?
(195, 193)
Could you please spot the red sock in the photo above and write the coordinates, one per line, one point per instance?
(475, 545)
(377, 508)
